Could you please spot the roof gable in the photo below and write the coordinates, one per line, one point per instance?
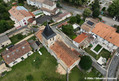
(48, 32)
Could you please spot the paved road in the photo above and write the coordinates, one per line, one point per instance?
(68, 41)
(75, 11)
(109, 21)
(113, 67)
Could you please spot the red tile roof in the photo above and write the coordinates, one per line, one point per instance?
(16, 52)
(107, 32)
(19, 14)
(80, 38)
(64, 53)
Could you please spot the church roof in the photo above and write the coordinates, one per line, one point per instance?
(48, 32)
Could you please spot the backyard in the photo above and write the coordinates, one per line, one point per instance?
(104, 53)
(77, 75)
(97, 48)
(45, 72)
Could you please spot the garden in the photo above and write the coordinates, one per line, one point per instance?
(35, 68)
(104, 53)
(97, 48)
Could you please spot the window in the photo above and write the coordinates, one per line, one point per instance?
(8, 56)
(23, 47)
(14, 62)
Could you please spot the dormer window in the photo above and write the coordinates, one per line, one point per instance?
(8, 56)
(23, 47)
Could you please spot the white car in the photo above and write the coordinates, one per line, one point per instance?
(39, 52)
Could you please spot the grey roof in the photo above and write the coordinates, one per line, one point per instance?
(3, 38)
(48, 32)
(33, 44)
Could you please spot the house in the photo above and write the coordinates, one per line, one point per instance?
(106, 35)
(34, 45)
(17, 53)
(61, 16)
(47, 6)
(20, 15)
(58, 48)
(3, 68)
(81, 40)
(88, 25)
(4, 41)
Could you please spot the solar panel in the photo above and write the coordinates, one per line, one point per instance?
(90, 23)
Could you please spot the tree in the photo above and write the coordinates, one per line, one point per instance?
(78, 17)
(73, 20)
(113, 9)
(87, 12)
(21, 1)
(29, 77)
(96, 13)
(67, 29)
(96, 9)
(20, 36)
(85, 63)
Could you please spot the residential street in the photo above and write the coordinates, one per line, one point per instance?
(109, 21)
(75, 11)
(113, 68)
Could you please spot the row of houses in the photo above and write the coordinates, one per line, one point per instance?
(104, 34)
(47, 6)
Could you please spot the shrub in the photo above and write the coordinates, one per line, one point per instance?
(85, 63)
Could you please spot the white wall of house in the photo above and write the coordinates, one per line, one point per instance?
(73, 65)
(19, 59)
(46, 13)
(63, 18)
(49, 7)
(5, 43)
(76, 44)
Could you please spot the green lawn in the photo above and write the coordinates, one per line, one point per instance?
(46, 71)
(104, 53)
(97, 48)
(77, 75)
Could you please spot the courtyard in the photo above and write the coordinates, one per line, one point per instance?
(104, 53)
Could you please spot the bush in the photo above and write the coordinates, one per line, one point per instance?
(85, 63)
(20, 36)
(29, 77)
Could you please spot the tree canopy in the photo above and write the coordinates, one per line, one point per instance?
(87, 12)
(29, 77)
(96, 9)
(77, 2)
(113, 9)
(75, 19)
(5, 22)
(85, 63)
